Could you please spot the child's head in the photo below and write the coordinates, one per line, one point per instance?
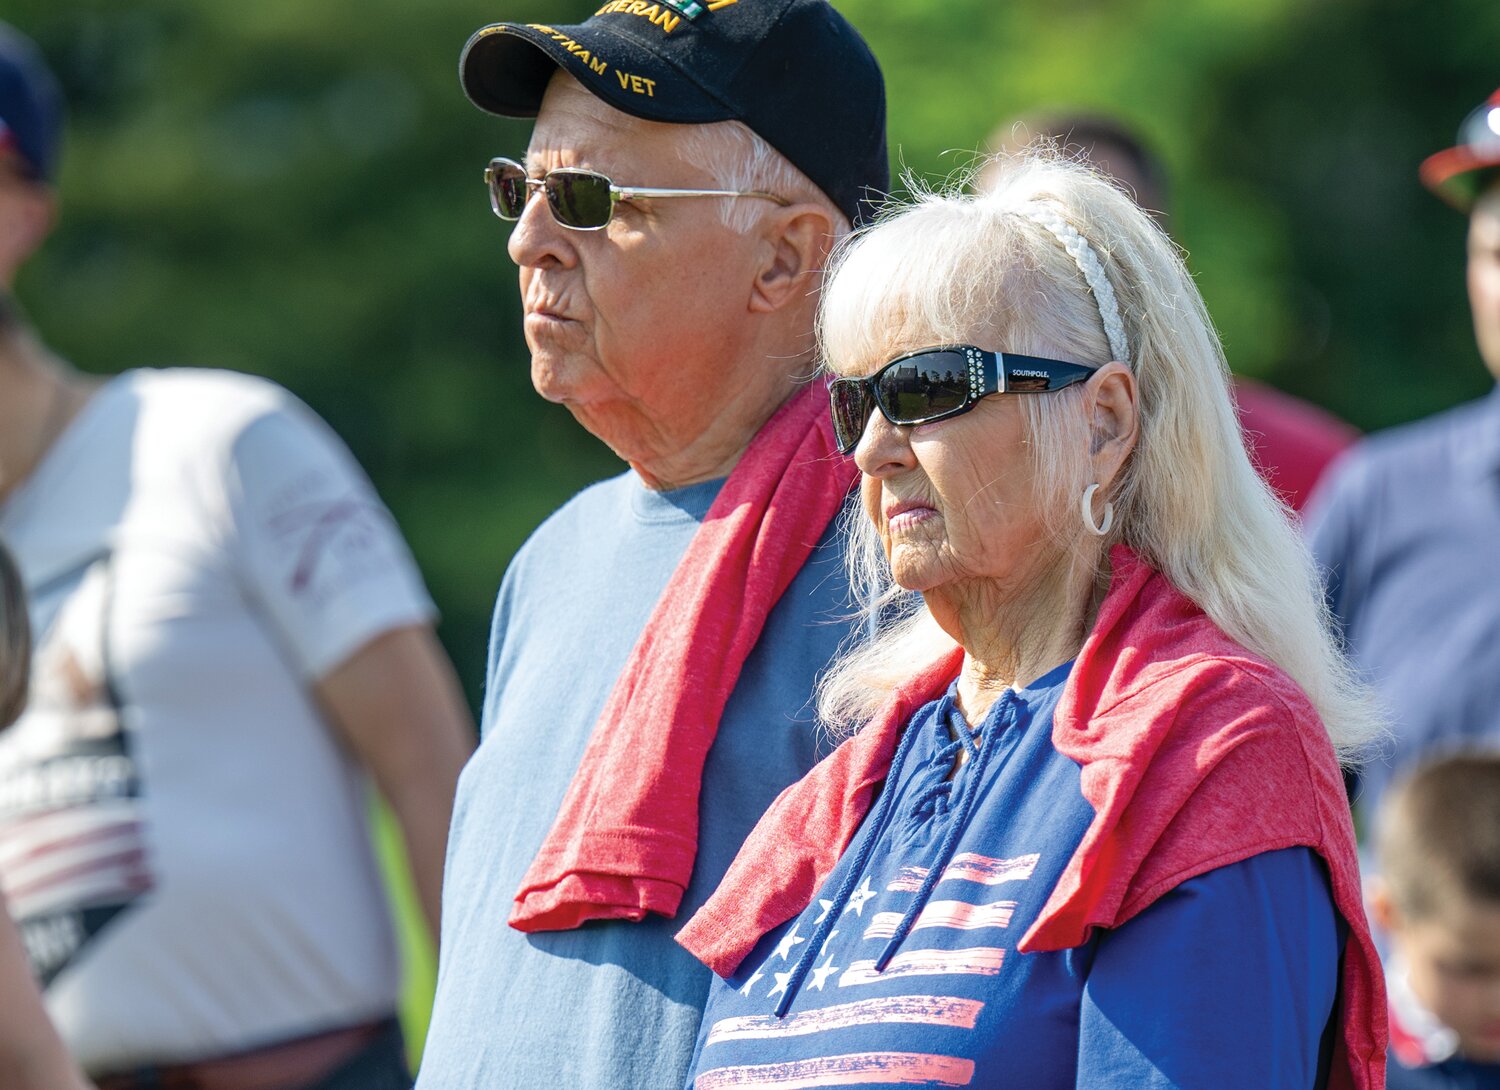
(15, 641)
(1438, 896)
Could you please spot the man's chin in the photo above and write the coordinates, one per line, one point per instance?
(556, 379)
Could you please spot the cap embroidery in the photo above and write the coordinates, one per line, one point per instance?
(660, 15)
(596, 63)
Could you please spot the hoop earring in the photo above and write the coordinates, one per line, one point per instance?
(1087, 507)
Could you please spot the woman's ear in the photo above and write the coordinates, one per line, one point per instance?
(795, 243)
(1114, 419)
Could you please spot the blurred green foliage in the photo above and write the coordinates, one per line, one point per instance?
(293, 188)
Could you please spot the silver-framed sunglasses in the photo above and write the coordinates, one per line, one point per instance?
(580, 200)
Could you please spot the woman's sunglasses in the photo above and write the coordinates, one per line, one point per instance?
(936, 383)
(583, 200)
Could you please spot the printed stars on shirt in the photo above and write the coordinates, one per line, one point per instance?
(757, 975)
(821, 974)
(789, 940)
(826, 905)
(782, 980)
(858, 898)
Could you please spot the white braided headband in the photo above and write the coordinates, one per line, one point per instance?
(1093, 273)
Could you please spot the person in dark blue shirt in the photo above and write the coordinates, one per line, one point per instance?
(1407, 525)
(1089, 831)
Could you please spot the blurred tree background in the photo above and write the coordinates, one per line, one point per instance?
(292, 188)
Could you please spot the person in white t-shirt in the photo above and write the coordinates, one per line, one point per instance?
(229, 633)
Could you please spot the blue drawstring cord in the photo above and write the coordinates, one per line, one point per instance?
(851, 877)
(978, 759)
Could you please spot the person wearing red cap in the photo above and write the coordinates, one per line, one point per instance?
(229, 636)
(1407, 525)
(1407, 528)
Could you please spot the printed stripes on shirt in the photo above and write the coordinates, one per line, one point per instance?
(927, 1010)
(959, 915)
(975, 961)
(880, 1068)
(969, 867)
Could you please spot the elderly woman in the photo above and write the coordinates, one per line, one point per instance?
(31, 1055)
(1092, 833)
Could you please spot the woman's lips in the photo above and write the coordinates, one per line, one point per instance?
(907, 514)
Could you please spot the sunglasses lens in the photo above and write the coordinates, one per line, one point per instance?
(579, 199)
(507, 189)
(851, 406)
(922, 387)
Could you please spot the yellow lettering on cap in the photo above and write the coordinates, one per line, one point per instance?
(639, 85)
(637, 7)
(715, 5)
(667, 21)
(598, 67)
(651, 11)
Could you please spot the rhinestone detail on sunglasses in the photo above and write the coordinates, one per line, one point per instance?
(851, 400)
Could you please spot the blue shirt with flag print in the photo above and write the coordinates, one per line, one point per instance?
(1228, 981)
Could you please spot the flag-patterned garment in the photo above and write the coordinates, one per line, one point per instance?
(1228, 981)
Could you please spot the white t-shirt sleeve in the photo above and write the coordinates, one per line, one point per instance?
(313, 544)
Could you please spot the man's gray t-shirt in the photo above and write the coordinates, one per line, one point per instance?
(613, 1004)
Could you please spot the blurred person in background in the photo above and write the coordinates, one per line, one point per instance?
(1291, 441)
(1092, 822)
(1407, 526)
(229, 634)
(1437, 898)
(656, 641)
(32, 1056)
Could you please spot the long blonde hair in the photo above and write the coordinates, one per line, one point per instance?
(1188, 501)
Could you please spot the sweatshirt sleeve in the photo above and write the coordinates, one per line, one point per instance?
(1226, 982)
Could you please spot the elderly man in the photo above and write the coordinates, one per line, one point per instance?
(1407, 526)
(657, 640)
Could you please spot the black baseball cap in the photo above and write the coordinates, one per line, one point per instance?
(31, 105)
(1460, 173)
(794, 71)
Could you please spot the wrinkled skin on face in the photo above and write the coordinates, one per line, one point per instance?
(957, 506)
(648, 330)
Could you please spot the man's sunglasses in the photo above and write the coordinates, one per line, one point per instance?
(583, 200)
(936, 383)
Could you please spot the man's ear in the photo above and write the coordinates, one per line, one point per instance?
(1114, 422)
(794, 244)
